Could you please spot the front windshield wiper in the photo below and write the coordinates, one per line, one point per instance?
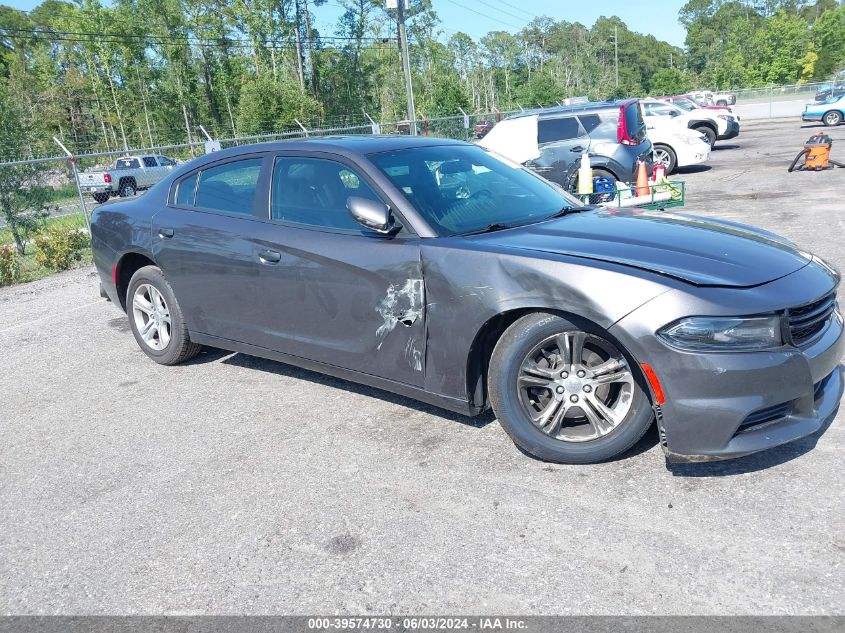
(490, 228)
(567, 210)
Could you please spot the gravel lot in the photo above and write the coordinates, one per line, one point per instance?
(238, 485)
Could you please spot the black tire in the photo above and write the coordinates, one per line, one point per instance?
(515, 344)
(721, 102)
(101, 197)
(671, 157)
(128, 188)
(709, 134)
(179, 348)
(832, 118)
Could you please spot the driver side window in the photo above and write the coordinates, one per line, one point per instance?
(314, 191)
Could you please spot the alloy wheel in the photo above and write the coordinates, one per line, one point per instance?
(575, 386)
(832, 118)
(152, 317)
(661, 157)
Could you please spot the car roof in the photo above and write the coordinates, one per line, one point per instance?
(344, 145)
(581, 108)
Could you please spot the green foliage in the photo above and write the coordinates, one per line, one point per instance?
(60, 248)
(671, 81)
(267, 103)
(10, 265)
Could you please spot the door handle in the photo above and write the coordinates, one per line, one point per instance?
(165, 233)
(270, 257)
(577, 148)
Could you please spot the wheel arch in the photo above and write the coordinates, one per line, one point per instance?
(481, 349)
(127, 265)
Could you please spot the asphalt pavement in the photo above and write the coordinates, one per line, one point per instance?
(234, 485)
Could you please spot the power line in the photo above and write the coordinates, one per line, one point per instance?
(484, 15)
(508, 13)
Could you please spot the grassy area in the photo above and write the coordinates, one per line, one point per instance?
(74, 220)
(31, 271)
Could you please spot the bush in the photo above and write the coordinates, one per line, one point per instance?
(60, 248)
(10, 265)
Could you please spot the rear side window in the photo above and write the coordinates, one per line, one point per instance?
(149, 161)
(589, 122)
(229, 187)
(185, 191)
(562, 129)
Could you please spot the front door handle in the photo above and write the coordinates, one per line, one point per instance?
(578, 149)
(165, 233)
(270, 257)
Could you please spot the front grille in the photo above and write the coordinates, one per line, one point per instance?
(809, 319)
(764, 416)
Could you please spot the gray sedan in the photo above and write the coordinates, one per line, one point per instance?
(436, 270)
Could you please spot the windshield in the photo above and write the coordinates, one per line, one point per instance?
(463, 189)
(684, 104)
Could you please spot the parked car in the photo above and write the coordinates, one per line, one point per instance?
(831, 111)
(127, 176)
(482, 128)
(685, 103)
(489, 288)
(827, 91)
(712, 125)
(675, 145)
(708, 98)
(550, 141)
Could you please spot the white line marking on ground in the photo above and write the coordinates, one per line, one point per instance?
(51, 316)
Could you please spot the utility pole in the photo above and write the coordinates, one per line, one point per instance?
(616, 52)
(406, 65)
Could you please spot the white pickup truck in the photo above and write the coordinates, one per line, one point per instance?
(128, 175)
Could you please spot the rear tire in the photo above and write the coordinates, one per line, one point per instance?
(100, 198)
(156, 320)
(665, 155)
(127, 189)
(601, 408)
(832, 118)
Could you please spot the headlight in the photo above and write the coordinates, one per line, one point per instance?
(723, 333)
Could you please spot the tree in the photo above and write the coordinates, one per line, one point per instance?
(22, 195)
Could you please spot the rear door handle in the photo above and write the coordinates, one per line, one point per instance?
(165, 233)
(577, 148)
(270, 257)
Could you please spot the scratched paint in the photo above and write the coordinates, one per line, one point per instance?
(401, 304)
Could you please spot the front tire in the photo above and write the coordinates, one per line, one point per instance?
(566, 393)
(155, 318)
(709, 135)
(665, 155)
(832, 118)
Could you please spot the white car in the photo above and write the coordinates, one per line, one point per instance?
(712, 124)
(676, 145)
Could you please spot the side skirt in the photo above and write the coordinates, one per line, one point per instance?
(444, 402)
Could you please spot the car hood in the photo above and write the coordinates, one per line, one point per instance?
(696, 250)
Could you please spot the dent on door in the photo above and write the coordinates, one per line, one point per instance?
(403, 306)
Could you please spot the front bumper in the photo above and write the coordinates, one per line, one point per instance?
(691, 154)
(721, 405)
(731, 132)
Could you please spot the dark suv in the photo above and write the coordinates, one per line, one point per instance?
(613, 133)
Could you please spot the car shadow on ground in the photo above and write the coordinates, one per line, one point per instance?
(755, 462)
(722, 146)
(291, 371)
(692, 169)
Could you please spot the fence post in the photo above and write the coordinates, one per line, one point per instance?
(302, 126)
(376, 128)
(78, 187)
(771, 96)
(466, 121)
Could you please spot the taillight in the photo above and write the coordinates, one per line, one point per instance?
(107, 178)
(622, 135)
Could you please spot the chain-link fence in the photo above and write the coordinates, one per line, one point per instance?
(774, 102)
(54, 199)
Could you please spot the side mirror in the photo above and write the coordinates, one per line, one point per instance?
(373, 215)
(673, 113)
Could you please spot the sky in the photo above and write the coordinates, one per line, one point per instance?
(477, 17)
